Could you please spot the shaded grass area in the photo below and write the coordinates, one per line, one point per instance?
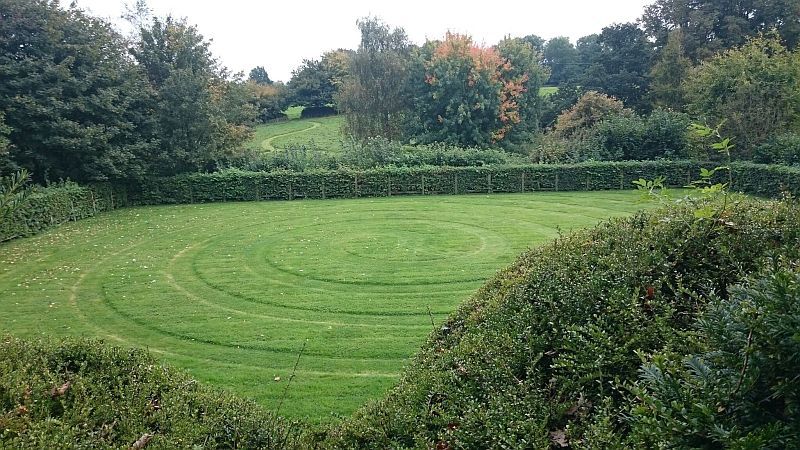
(233, 292)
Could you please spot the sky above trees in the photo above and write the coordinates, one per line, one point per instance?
(279, 35)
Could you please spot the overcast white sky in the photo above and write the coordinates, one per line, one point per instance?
(280, 34)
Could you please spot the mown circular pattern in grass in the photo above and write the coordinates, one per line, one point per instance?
(233, 292)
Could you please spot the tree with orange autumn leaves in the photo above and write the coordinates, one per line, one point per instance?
(471, 95)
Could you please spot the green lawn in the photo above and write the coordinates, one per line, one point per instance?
(544, 91)
(323, 133)
(232, 292)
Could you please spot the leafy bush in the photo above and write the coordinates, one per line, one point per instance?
(741, 389)
(310, 112)
(541, 355)
(754, 88)
(85, 394)
(619, 137)
(660, 135)
(781, 149)
(590, 109)
(381, 152)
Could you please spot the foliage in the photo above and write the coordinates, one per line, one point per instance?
(87, 394)
(659, 135)
(269, 100)
(590, 109)
(469, 95)
(201, 116)
(317, 111)
(561, 57)
(374, 99)
(555, 104)
(712, 26)
(316, 83)
(739, 388)
(755, 88)
(30, 211)
(620, 66)
(668, 74)
(540, 355)
(258, 75)
(13, 191)
(236, 185)
(380, 152)
(525, 64)
(75, 106)
(782, 148)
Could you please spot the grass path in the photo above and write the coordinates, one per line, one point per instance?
(267, 143)
(232, 291)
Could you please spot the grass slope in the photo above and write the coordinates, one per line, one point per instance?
(323, 133)
(233, 292)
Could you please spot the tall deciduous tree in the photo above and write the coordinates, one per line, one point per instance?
(668, 74)
(562, 59)
(375, 97)
(201, 115)
(523, 62)
(259, 75)
(754, 89)
(75, 106)
(710, 26)
(470, 95)
(621, 65)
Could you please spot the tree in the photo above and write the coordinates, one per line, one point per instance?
(621, 65)
(317, 82)
(524, 63)
(536, 42)
(754, 89)
(75, 106)
(259, 75)
(269, 101)
(201, 115)
(710, 26)
(668, 74)
(562, 58)
(374, 97)
(469, 95)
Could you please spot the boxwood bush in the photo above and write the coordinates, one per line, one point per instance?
(87, 394)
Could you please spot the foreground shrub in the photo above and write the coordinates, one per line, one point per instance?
(85, 394)
(541, 355)
(741, 389)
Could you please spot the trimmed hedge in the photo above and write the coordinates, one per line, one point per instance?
(87, 394)
(48, 207)
(234, 185)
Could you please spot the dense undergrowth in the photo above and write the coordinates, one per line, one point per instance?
(657, 330)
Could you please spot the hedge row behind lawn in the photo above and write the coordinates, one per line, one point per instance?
(235, 185)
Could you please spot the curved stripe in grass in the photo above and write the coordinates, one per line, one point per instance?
(231, 292)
